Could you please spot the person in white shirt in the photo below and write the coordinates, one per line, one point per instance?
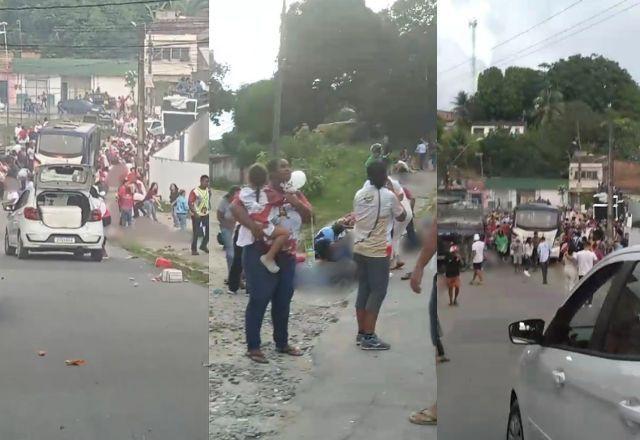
(477, 249)
(375, 208)
(421, 151)
(586, 258)
(543, 257)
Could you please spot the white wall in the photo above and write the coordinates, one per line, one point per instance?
(196, 137)
(226, 168)
(184, 174)
(113, 85)
(551, 195)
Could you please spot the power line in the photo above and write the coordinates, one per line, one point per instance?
(564, 31)
(523, 52)
(602, 12)
(508, 40)
(89, 5)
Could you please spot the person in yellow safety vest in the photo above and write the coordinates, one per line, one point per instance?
(199, 207)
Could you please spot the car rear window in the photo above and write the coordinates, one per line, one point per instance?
(63, 174)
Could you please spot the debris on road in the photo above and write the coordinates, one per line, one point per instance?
(164, 263)
(42, 353)
(172, 276)
(75, 362)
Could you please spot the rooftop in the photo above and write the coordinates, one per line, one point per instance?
(73, 66)
(523, 183)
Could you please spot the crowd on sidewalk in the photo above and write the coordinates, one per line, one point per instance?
(260, 229)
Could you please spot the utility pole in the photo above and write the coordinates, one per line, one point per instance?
(610, 179)
(277, 101)
(141, 99)
(19, 23)
(579, 164)
(3, 32)
(480, 155)
(473, 24)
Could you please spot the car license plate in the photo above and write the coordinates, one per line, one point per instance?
(64, 240)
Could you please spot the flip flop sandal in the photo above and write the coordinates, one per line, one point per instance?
(257, 357)
(406, 276)
(424, 417)
(442, 360)
(291, 351)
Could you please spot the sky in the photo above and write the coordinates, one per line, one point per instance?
(500, 20)
(245, 35)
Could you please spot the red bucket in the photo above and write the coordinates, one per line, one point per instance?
(163, 263)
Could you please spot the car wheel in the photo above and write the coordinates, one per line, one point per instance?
(514, 426)
(97, 256)
(20, 249)
(8, 249)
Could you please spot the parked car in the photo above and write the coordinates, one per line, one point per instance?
(80, 107)
(580, 378)
(154, 127)
(56, 215)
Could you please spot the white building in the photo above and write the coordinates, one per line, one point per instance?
(509, 192)
(67, 78)
(483, 129)
(587, 174)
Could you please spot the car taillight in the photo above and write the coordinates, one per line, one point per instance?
(96, 216)
(31, 214)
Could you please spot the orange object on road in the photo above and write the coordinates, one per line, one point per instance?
(75, 362)
(301, 258)
(163, 263)
(42, 353)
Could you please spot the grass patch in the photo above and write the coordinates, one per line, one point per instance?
(342, 182)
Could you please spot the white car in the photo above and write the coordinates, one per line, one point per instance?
(580, 378)
(154, 127)
(55, 215)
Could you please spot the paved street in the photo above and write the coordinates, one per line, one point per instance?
(144, 346)
(474, 387)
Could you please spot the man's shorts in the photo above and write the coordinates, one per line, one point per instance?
(453, 282)
(477, 266)
(517, 259)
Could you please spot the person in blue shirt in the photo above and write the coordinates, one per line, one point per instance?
(182, 209)
(327, 244)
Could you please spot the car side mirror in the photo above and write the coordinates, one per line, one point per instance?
(527, 332)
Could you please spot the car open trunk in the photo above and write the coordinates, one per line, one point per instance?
(64, 209)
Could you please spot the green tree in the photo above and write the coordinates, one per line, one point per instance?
(253, 113)
(548, 106)
(521, 86)
(461, 108)
(490, 94)
(221, 99)
(597, 81)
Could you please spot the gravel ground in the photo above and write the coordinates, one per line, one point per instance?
(249, 400)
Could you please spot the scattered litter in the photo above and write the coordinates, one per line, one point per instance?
(42, 353)
(75, 362)
(171, 276)
(135, 284)
(132, 279)
(163, 263)
(218, 291)
(131, 257)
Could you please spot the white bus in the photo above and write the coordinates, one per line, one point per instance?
(541, 218)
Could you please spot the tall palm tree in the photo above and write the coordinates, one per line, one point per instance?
(548, 106)
(461, 108)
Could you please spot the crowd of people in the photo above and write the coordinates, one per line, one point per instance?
(260, 227)
(581, 238)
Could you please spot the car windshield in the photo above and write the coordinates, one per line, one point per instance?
(60, 145)
(64, 174)
(536, 219)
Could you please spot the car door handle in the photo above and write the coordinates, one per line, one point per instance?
(559, 378)
(630, 411)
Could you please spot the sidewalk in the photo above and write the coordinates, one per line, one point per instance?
(357, 395)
